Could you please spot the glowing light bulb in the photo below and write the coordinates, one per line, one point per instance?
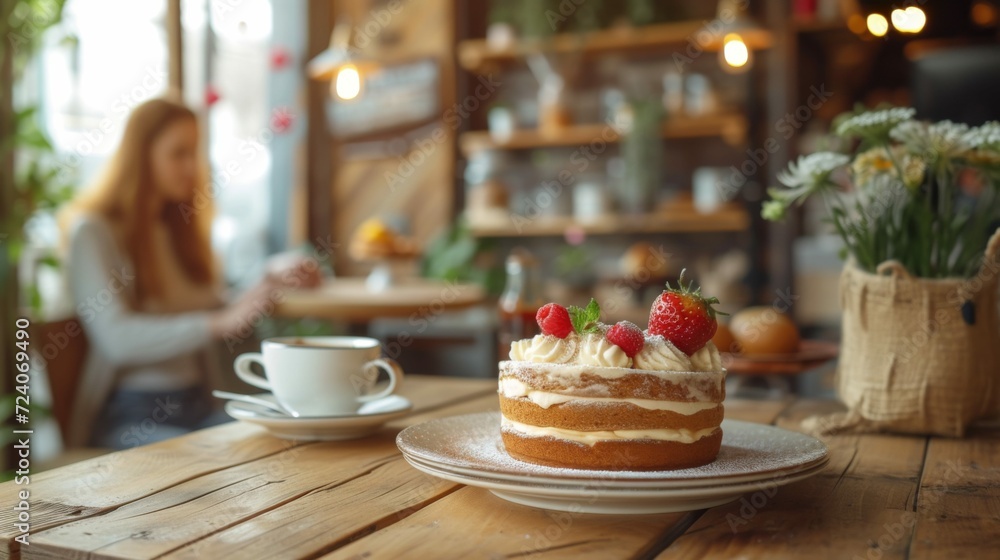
(735, 51)
(878, 25)
(347, 84)
(899, 18)
(910, 20)
(917, 18)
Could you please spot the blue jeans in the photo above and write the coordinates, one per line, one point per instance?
(134, 418)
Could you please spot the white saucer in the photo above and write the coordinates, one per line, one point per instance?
(320, 428)
(754, 457)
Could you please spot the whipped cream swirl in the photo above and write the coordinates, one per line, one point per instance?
(544, 348)
(661, 355)
(707, 359)
(596, 350)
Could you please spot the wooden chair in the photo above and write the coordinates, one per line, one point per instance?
(63, 345)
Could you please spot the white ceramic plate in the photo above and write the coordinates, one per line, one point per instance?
(322, 428)
(575, 485)
(754, 457)
(611, 500)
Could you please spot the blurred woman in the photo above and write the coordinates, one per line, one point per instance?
(147, 289)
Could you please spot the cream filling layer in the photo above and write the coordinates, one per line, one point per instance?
(568, 375)
(513, 388)
(591, 438)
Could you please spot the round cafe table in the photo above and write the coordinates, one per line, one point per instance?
(347, 299)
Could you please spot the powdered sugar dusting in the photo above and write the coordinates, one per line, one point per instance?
(473, 442)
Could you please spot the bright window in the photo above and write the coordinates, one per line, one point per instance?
(105, 57)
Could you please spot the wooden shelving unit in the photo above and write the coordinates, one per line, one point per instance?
(479, 56)
(731, 127)
(679, 218)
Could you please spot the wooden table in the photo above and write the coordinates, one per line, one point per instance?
(234, 492)
(347, 299)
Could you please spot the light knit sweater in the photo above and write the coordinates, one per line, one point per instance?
(160, 347)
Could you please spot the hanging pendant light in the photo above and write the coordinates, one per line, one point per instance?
(739, 34)
(340, 64)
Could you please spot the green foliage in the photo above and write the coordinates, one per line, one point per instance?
(585, 319)
(924, 232)
(458, 256)
(588, 17)
(541, 18)
(28, 176)
(642, 150)
(572, 262)
(641, 12)
(35, 183)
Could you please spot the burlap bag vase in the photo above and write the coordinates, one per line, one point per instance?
(918, 355)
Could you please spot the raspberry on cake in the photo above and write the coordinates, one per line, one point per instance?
(629, 337)
(553, 319)
(611, 398)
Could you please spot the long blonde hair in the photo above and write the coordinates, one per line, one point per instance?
(123, 191)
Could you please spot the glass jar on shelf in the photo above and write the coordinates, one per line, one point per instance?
(520, 301)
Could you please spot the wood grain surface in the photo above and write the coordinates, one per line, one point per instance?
(235, 492)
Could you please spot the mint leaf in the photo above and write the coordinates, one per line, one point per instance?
(576, 317)
(585, 319)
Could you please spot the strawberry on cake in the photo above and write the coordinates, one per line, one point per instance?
(614, 397)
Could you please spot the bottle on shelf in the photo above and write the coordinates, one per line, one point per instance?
(520, 301)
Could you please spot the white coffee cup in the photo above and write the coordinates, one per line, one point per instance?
(320, 375)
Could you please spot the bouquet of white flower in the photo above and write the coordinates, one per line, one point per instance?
(920, 332)
(908, 205)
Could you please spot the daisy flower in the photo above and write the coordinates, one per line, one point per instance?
(879, 164)
(985, 140)
(875, 125)
(812, 171)
(943, 139)
(804, 177)
(871, 164)
(986, 136)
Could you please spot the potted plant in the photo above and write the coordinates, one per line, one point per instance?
(30, 181)
(458, 256)
(641, 150)
(920, 332)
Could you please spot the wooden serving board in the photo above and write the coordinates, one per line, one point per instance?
(811, 354)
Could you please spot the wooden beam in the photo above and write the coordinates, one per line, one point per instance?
(781, 79)
(319, 164)
(175, 49)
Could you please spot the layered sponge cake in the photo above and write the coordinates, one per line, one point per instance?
(610, 397)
